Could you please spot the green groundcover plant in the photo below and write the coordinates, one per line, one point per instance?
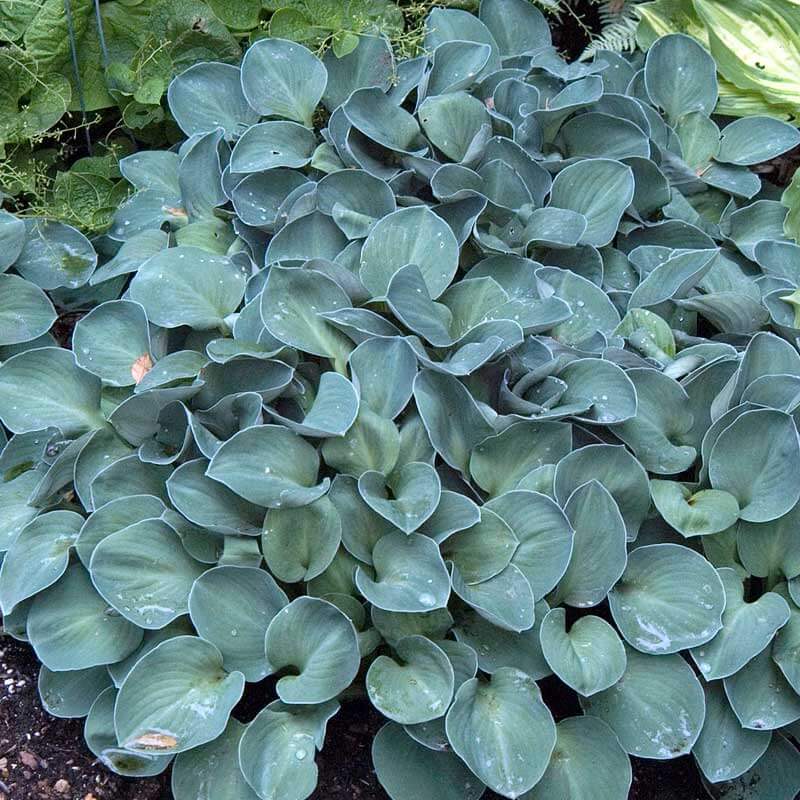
(424, 380)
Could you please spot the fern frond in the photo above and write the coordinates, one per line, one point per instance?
(619, 20)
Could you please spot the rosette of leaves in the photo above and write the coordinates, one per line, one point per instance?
(491, 380)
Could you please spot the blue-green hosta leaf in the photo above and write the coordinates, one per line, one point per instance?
(292, 304)
(188, 286)
(483, 550)
(611, 393)
(588, 763)
(451, 417)
(356, 200)
(598, 551)
(725, 750)
(45, 387)
(273, 144)
(208, 96)
(669, 598)
(375, 115)
(283, 79)
(763, 484)
(371, 361)
(276, 751)
(787, 639)
(656, 709)
(177, 697)
(101, 739)
(371, 443)
(12, 239)
(55, 255)
(760, 695)
(452, 24)
(113, 342)
(700, 513)
(505, 600)
(231, 607)
(752, 140)
(417, 689)
(406, 498)
(258, 198)
(71, 627)
(311, 236)
(300, 543)
(127, 476)
(371, 63)
(25, 310)
(763, 219)
(453, 121)
(673, 278)
(544, 533)
(503, 731)
(145, 573)
(600, 189)
(413, 235)
(211, 771)
(602, 135)
(455, 512)
(589, 657)
(410, 574)
(269, 466)
(325, 659)
(517, 26)
(455, 66)
(38, 557)
(71, 694)
(770, 548)
(396, 625)
(680, 76)
(408, 770)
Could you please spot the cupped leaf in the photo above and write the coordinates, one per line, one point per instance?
(271, 145)
(71, 694)
(25, 310)
(55, 255)
(751, 140)
(700, 513)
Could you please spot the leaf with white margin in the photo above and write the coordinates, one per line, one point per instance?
(72, 627)
(588, 763)
(455, 512)
(276, 751)
(14, 495)
(605, 386)
(673, 278)
(764, 483)
(505, 600)
(598, 188)
(112, 340)
(668, 599)
(483, 550)
(408, 770)
(503, 731)
(760, 695)
(371, 362)
(775, 776)
(700, 513)
(414, 235)
(283, 79)
(25, 310)
(753, 140)
(499, 462)
(38, 557)
(451, 417)
(725, 750)
(145, 573)
(68, 695)
(617, 470)
(208, 96)
(128, 476)
(599, 551)
(406, 498)
(747, 628)
(177, 697)
(211, 771)
(409, 574)
(656, 709)
(101, 739)
(680, 76)
(417, 689)
(186, 285)
(231, 607)
(545, 537)
(44, 387)
(589, 658)
(55, 255)
(300, 543)
(269, 466)
(291, 307)
(325, 659)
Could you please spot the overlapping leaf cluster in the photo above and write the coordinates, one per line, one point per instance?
(493, 376)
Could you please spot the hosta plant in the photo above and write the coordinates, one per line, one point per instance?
(422, 381)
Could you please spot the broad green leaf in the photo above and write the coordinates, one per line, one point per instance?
(669, 598)
(324, 660)
(503, 731)
(231, 607)
(25, 310)
(177, 697)
(589, 657)
(656, 709)
(417, 689)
